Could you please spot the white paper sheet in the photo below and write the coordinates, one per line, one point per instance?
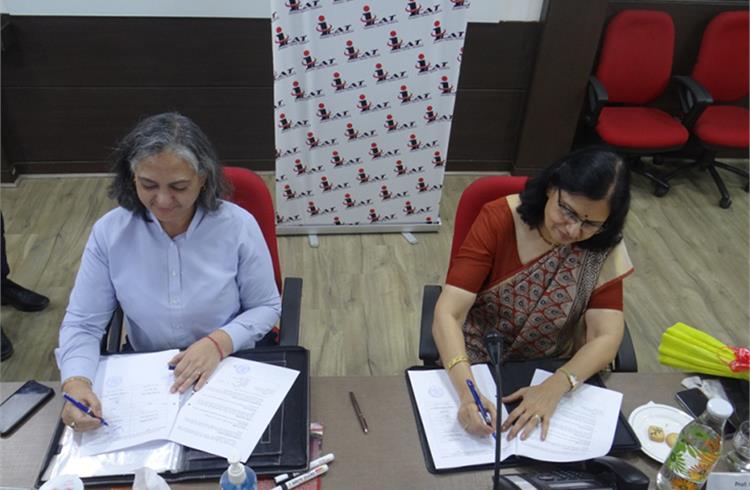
(228, 416)
(582, 427)
(136, 403)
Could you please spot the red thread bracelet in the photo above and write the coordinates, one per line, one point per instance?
(218, 347)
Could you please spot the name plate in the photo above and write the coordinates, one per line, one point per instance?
(728, 481)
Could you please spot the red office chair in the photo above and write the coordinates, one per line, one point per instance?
(720, 76)
(635, 62)
(473, 198)
(249, 192)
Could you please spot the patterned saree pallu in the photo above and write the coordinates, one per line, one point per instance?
(364, 94)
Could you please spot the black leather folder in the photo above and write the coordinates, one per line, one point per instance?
(283, 447)
(515, 375)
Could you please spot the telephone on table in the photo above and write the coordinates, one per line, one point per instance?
(605, 473)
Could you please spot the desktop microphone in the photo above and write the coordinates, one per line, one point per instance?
(493, 342)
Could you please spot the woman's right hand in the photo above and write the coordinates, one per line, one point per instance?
(471, 419)
(74, 417)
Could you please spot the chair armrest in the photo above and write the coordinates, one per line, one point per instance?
(625, 361)
(597, 97)
(291, 305)
(428, 352)
(694, 98)
(113, 333)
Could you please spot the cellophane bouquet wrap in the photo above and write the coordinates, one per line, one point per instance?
(690, 349)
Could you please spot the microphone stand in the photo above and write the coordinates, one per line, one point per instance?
(494, 343)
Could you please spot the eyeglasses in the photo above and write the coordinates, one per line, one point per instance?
(587, 226)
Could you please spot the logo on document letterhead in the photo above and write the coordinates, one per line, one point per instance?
(285, 153)
(298, 7)
(381, 74)
(397, 44)
(437, 159)
(459, 4)
(341, 85)
(283, 40)
(327, 30)
(415, 144)
(369, 19)
(338, 221)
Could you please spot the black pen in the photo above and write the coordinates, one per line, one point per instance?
(360, 415)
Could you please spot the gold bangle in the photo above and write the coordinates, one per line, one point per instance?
(77, 378)
(458, 359)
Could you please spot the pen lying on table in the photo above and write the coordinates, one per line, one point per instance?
(358, 411)
(83, 408)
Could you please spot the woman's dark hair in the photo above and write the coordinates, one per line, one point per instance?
(589, 172)
(171, 132)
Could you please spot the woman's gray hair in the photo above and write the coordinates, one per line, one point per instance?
(172, 132)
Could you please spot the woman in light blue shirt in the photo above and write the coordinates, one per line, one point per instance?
(188, 269)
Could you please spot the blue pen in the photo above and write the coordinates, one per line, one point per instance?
(83, 408)
(485, 414)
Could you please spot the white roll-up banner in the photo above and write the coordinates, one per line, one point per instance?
(363, 101)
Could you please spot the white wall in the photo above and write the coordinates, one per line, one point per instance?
(481, 10)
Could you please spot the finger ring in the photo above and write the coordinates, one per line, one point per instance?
(537, 417)
(72, 425)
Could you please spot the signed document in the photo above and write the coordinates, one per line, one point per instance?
(582, 427)
(226, 417)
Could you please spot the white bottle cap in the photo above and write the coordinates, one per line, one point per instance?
(719, 408)
(236, 471)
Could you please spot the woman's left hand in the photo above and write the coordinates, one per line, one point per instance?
(536, 408)
(194, 365)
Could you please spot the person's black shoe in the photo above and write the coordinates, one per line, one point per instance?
(21, 298)
(7, 347)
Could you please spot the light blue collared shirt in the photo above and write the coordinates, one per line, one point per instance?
(173, 291)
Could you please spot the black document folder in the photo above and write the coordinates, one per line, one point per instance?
(515, 375)
(283, 447)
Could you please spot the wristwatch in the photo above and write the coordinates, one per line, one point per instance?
(572, 378)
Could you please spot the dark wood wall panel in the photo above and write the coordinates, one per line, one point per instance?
(71, 86)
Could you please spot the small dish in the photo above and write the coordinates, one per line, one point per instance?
(670, 419)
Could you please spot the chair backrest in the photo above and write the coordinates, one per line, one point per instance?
(476, 195)
(635, 61)
(722, 64)
(250, 192)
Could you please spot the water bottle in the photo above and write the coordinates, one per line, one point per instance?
(697, 449)
(238, 476)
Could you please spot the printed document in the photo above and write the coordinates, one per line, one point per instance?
(226, 417)
(582, 427)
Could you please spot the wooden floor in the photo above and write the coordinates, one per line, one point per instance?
(362, 293)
